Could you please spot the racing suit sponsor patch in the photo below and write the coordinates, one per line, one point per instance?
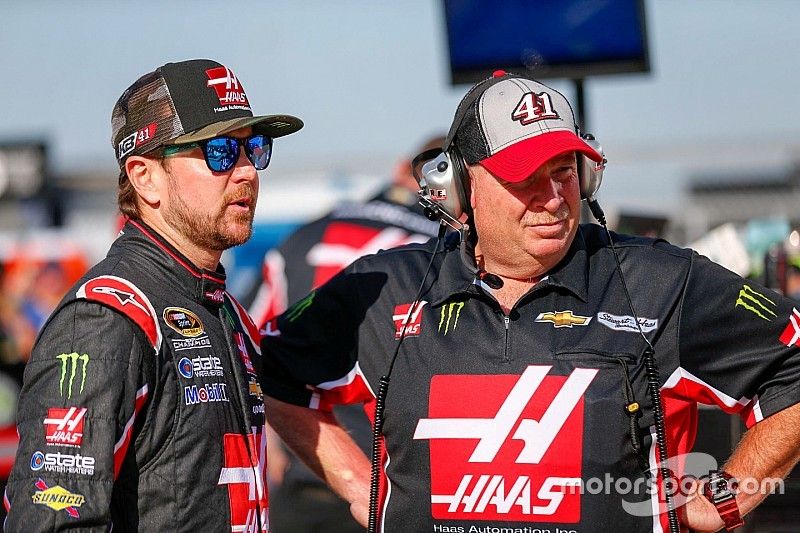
(183, 321)
(64, 427)
(57, 498)
(407, 321)
(626, 322)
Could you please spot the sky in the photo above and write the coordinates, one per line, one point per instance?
(371, 80)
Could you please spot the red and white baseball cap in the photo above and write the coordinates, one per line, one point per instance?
(511, 125)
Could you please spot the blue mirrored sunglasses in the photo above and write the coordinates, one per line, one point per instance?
(222, 153)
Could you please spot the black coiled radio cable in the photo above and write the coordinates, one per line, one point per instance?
(653, 381)
(380, 398)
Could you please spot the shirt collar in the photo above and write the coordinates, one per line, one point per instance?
(204, 286)
(572, 272)
(458, 272)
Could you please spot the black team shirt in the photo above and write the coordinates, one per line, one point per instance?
(517, 420)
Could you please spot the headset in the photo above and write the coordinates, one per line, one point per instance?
(444, 194)
(444, 180)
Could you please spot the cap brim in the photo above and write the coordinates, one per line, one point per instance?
(517, 162)
(271, 125)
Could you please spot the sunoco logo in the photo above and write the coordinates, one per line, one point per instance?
(70, 363)
(57, 498)
(210, 392)
(756, 303)
(183, 321)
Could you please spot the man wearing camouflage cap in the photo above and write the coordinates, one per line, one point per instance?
(141, 407)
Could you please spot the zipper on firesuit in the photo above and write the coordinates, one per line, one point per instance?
(506, 321)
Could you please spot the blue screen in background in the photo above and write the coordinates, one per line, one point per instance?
(546, 35)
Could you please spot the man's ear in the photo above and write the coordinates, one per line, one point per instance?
(145, 175)
(471, 182)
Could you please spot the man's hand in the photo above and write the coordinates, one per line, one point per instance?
(360, 511)
(768, 451)
(327, 449)
(698, 513)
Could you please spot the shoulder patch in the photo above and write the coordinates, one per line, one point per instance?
(125, 297)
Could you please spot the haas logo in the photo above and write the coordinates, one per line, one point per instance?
(244, 474)
(64, 427)
(505, 447)
(227, 86)
(408, 321)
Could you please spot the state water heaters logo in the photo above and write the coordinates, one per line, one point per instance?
(407, 321)
(506, 447)
(64, 427)
(63, 463)
(201, 366)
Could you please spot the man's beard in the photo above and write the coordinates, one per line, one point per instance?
(212, 231)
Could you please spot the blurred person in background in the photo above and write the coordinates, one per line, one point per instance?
(314, 253)
(791, 247)
(141, 407)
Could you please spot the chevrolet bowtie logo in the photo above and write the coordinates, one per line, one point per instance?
(563, 319)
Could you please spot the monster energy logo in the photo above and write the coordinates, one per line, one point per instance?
(228, 316)
(297, 309)
(755, 302)
(448, 312)
(69, 361)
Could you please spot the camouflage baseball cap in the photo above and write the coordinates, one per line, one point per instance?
(185, 102)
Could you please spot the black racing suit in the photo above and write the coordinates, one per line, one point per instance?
(141, 409)
(517, 422)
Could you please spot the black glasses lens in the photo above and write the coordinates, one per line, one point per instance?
(259, 150)
(221, 153)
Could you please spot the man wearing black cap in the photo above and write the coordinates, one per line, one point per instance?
(537, 375)
(141, 407)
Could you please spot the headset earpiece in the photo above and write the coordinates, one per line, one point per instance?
(443, 181)
(590, 173)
